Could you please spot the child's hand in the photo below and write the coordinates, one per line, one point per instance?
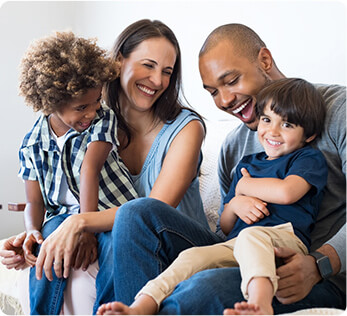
(245, 177)
(86, 252)
(245, 172)
(33, 237)
(249, 209)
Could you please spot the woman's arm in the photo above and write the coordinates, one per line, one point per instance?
(178, 171)
(272, 190)
(180, 165)
(61, 244)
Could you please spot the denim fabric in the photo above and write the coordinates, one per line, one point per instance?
(104, 278)
(46, 297)
(211, 291)
(147, 236)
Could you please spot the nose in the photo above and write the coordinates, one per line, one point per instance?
(226, 99)
(156, 78)
(90, 114)
(273, 129)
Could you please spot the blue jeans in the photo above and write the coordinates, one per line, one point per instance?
(148, 235)
(46, 297)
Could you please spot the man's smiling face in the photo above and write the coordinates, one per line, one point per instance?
(233, 81)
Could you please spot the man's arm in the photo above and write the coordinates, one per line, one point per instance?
(12, 252)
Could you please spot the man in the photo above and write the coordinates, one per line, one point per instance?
(234, 65)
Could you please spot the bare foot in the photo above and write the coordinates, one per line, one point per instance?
(245, 308)
(230, 311)
(115, 308)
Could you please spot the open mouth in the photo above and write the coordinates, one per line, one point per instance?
(146, 90)
(273, 142)
(85, 125)
(245, 110)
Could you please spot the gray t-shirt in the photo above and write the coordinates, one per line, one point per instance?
(330, 226)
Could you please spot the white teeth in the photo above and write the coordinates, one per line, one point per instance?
(272, 142)
(241, 107)
(146, 90)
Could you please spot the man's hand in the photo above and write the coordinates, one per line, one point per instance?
(86, 252)
(297, 276)
(12, 252)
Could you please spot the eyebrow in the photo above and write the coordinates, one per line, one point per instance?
(228, 73)
(222, 77)
(154, 62)
(86, 104)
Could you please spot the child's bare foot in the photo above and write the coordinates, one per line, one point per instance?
(245, 308)
(143, 305)
(115, 308)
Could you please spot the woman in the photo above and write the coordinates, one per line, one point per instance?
(160, 143)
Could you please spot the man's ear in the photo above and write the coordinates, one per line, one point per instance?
(265, 59)
(311, 138)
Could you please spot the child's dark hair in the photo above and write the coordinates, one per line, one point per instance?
(60, 67)
(295, 100)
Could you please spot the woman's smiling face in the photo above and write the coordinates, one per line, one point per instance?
(146, 72)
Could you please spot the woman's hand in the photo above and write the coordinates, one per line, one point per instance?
(12, 252)
(58, 249)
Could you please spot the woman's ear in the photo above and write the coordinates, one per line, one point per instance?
(118, 62)
(311, 138)
(119, 57)
(265, 59)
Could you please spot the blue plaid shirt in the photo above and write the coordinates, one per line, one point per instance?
(41, 160)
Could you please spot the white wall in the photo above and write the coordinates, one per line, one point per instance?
(20, 23)
(307, 39)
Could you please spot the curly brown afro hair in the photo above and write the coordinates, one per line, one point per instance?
(60, 67)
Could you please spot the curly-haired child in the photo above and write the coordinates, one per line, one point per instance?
(69, 160)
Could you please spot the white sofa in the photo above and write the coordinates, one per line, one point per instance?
(209, 187)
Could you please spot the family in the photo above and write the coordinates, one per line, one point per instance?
(111, 173)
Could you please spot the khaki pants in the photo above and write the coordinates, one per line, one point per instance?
(252, 250)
